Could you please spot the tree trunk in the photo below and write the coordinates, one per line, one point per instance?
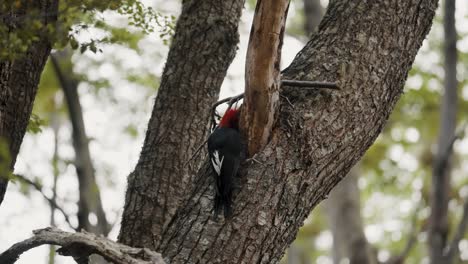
(366, 46)
(343, 205)
(313, 12)
(344, 215)
(90, 197)
(203, 47)
(438, 228)
(18, 82)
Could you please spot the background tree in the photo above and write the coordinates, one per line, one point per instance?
(441, 250)
(18, 92)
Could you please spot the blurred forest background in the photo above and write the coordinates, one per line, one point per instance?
(96, 95)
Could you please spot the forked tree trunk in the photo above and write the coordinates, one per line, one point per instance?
(202, 49)
(366, 46)
(19, 79)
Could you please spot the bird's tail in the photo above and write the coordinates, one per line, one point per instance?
(220, 202)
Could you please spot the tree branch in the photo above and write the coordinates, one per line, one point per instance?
(441, 173)
(452, 248)
(80, 246)
(230, 101)
(51, 201)
(202, 49)
(262, 73)
(310, 84)
(89, 194)
(311, 147)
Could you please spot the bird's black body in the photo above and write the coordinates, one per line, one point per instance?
(224, 147)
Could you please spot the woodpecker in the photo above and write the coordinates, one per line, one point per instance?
(224, 148)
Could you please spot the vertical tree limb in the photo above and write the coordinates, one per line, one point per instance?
(90, 198)
(80, 246)
(319, 136)
(55, 123)
(438, 225)
(262, 72)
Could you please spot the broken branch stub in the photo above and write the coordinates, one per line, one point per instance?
(262, 72)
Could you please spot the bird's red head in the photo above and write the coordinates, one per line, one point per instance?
(230, 119)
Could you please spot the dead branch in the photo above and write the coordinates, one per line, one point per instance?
(451, 249)
(310, 84)
(51, 201)
(80, 246)
(262, 73)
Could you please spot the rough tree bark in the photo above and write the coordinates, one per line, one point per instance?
(438, 225)
(90, 197)
(368, 46)
(343, 206)
(202, 49)
(18, 81)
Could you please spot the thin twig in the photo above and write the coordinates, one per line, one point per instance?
(234, 100)
(311, 84)
(287, 99)
(443, 161)
(51, 201)
(452, 249)
(230, 101)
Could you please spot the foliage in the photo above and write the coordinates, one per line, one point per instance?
(35, 124)
(5, 159)
(26, 23)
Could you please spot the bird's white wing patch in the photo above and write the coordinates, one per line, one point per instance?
(217, 163)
